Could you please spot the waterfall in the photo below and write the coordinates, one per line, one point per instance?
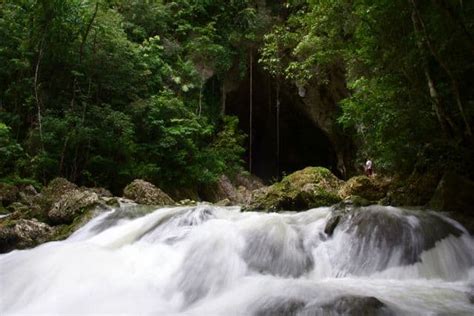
(209, 260)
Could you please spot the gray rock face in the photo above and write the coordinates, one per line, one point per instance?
(380, 234)
(455, 194)
(237, 190)
(23, 233)
(344, 305)
(146, 193)
(320, 104)
(356, 305)
(71, 205)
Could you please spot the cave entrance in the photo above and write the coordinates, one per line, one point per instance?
(302, 142)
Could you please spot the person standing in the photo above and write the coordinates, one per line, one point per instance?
(368, 168)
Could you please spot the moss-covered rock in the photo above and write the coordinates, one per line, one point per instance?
(8, 194)
(146, 193)
(64, 231)
(363, 187)
(22, 233)
(53, 192)
(303, 189)
(417, 190)
(71, 205)
(27, 210)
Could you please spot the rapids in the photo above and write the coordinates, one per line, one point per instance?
(209, 260)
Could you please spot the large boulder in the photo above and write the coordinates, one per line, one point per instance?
(455, 194)
(222, 189)
(146, 193)
(53, 192)
(416, 190)
(71, 205)
(22, 233)
(364, 187)
(301, 190)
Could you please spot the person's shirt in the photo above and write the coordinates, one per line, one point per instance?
(368, 164)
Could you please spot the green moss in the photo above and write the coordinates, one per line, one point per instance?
(64, 231)
(307, 188)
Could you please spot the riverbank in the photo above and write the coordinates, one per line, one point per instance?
(31, 217)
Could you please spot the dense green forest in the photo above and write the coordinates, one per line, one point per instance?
(102, 92)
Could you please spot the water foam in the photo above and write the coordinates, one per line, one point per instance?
(211, 260)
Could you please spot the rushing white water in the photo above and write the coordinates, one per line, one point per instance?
(208, 260)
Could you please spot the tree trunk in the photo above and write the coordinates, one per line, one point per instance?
(86, 33)
(454, 84)
(278, 129)
(200, 96)
(223, 99)
(457, 20)
(37, 96)
(250, 110)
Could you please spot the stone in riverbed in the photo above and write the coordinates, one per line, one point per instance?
(362, 187)
(301, 190)
(22, 233)
(143, 192)
(356, 305)
(71, 205)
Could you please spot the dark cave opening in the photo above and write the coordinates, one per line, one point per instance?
(302, 142)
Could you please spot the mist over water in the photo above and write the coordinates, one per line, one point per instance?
(209, 260)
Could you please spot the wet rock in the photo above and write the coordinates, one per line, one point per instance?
(331, 225)
(363, 187)
(280, 306)
(223, 188)
(455, 194)
(392, 231)
(22, 233)
(71, 205)
(144, 192)
(111, 201)
(224, 202)
(307, 188)
(355, 305)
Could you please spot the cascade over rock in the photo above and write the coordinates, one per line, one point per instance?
(207, 260)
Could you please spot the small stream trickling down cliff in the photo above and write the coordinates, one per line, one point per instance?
(208, 260)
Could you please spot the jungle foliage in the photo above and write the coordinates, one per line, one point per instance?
(101, 92)
(409, 66)
(104, 91)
